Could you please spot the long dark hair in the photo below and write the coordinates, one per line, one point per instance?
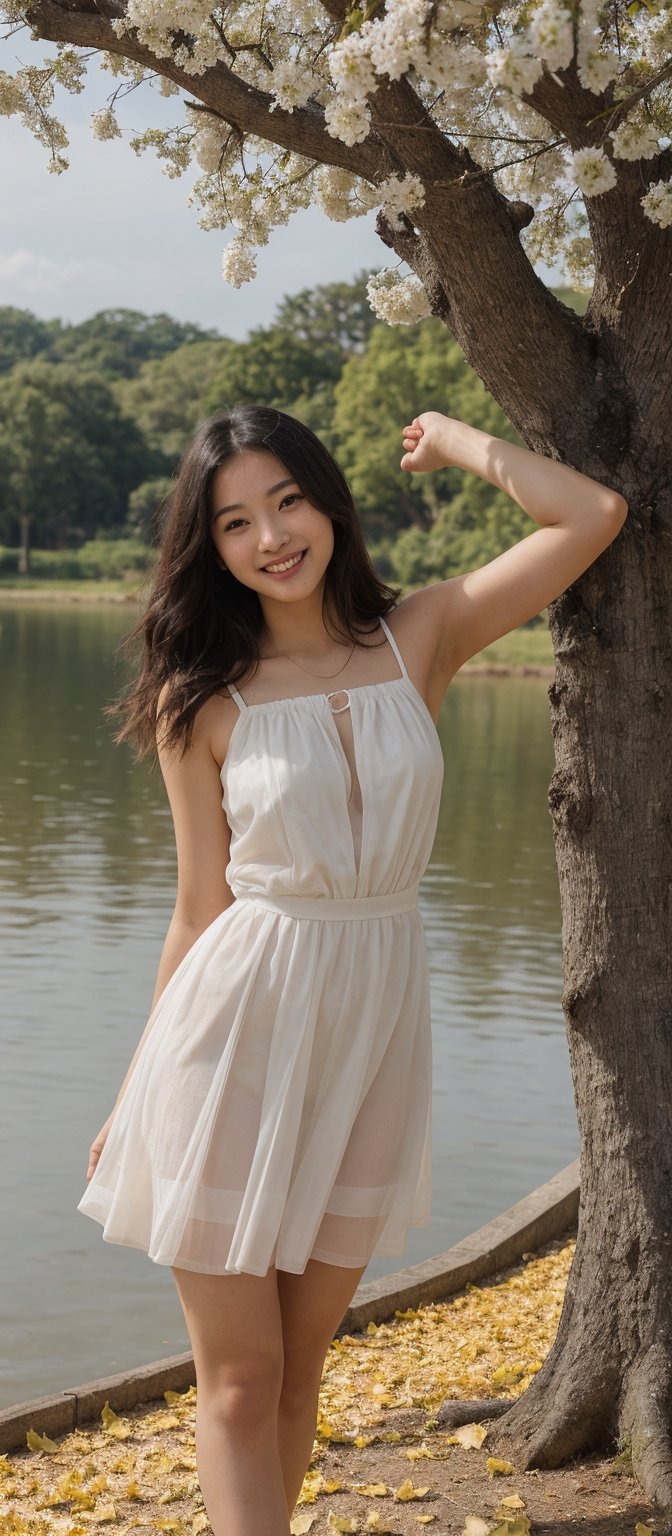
(202, 627)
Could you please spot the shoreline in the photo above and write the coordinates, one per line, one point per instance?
(57, 596)
(43, 594)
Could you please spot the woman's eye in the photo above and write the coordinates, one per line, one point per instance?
(293, 496)
(233, 524)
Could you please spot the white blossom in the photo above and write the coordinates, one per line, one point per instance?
(350, 66)
(400, 194)
(12, 97)
(657, 37)
(552, 34)
(105, 125)
(238, 263)
(657, 203)
(209, 142)
(397, 300)
(593, 172)
(635, 139)
(514, 67)
(452, 67)
(398, 40)
(291, 85)
(349, 122)
(597, 64)
(342, 196)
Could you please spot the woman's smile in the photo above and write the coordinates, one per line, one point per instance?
(287, 566)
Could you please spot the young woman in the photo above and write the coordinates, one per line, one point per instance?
(273, 1129)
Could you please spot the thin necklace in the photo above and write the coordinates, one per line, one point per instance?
(325, 675)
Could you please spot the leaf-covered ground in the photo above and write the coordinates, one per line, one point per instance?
(381, 1462)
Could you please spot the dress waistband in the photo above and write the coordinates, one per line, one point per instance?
(336, 908)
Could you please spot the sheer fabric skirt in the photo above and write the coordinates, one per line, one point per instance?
(280, 1109)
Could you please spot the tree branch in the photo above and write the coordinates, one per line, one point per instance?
(242, 106)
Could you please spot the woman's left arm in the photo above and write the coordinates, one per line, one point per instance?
(579, 518)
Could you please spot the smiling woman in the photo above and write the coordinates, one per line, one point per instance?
(273, 1131)
(269, 524)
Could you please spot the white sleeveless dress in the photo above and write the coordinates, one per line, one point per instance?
(280, 1107)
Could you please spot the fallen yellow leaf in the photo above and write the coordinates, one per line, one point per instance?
(424, 1519)
(474, 1526)
(299, 1524)
(70, 1485)
(507, 1375)
(104, 1512)
(200, 1522)
(374, 1522)
(512, 1501)
(471, 1436)
(643, 1530)
(497, 1468)
(37, 1442)
(112, 1424)
(180, 1397)
(371, 1490)
(336, 1523)
(406, 1491)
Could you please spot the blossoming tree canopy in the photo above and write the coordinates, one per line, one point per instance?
(286, 108)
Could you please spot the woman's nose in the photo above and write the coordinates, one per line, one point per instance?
(272, 537)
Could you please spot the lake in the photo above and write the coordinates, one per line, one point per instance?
(87, 879)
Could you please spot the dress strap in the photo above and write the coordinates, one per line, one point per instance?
(237, 696)
(395, 647)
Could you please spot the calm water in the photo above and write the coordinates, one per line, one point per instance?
(87, 888)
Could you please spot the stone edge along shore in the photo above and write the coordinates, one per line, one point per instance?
(531, 1223)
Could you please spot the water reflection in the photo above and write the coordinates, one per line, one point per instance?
(87, 876)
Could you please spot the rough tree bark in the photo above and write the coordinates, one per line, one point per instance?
(593, 392)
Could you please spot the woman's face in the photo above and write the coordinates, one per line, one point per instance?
(265, 531)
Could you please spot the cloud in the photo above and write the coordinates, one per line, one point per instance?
(27, 272)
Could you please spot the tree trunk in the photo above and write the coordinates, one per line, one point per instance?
(608, 1377)
(24, 551)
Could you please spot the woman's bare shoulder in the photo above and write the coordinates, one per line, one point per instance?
(217, 719)
(213, 725)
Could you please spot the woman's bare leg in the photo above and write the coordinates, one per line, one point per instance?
(235, 1327)
(312, 1306)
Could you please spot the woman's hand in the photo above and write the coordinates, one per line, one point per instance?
(427, 442)
(98, 1144)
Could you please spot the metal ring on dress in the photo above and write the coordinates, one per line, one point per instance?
(339, 693)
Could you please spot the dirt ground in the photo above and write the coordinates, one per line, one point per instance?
(383, 1460)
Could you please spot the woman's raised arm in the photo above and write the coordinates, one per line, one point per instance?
(578, 519)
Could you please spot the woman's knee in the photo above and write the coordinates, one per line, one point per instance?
(242, 1395)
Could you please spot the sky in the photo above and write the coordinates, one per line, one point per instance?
(115, 232)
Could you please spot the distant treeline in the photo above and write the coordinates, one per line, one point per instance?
(94, 417)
